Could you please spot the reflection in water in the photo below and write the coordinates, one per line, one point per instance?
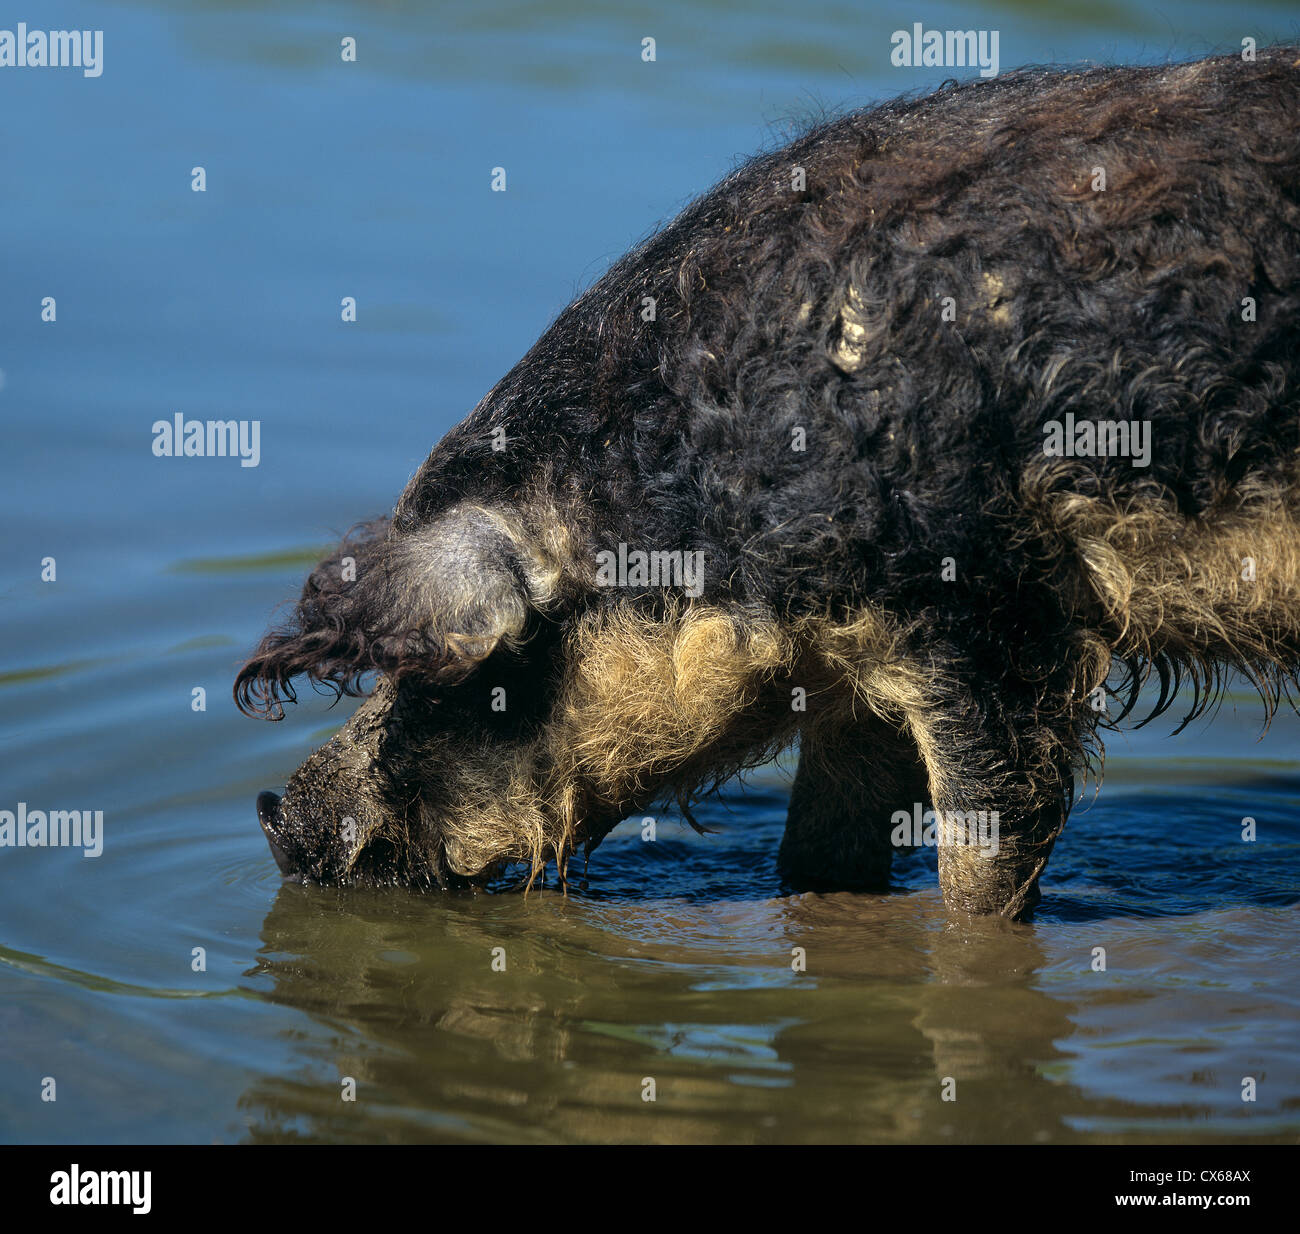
(646, 978)
(994, 1032)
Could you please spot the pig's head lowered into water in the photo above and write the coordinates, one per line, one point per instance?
(515, 714)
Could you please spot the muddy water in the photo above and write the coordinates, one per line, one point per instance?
(757, 1016)
(172, 987)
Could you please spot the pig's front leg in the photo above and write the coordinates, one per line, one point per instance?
(1001, 792)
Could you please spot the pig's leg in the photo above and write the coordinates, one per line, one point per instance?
(1002, 791)
(994, 867)
(849, 784)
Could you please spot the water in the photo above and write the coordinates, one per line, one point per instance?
(673, 961)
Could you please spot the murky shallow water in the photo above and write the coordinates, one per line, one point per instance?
(673, 962)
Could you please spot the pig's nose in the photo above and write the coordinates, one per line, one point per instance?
(268, 812)
(268, 805)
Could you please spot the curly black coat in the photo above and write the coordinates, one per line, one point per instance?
(835, 376)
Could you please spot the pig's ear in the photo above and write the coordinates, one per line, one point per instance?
(435, 602)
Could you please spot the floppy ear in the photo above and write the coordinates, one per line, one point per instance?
(435, 601)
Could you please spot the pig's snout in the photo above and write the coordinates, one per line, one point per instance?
(268, 814)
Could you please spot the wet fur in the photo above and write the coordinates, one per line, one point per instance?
(821, 311)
